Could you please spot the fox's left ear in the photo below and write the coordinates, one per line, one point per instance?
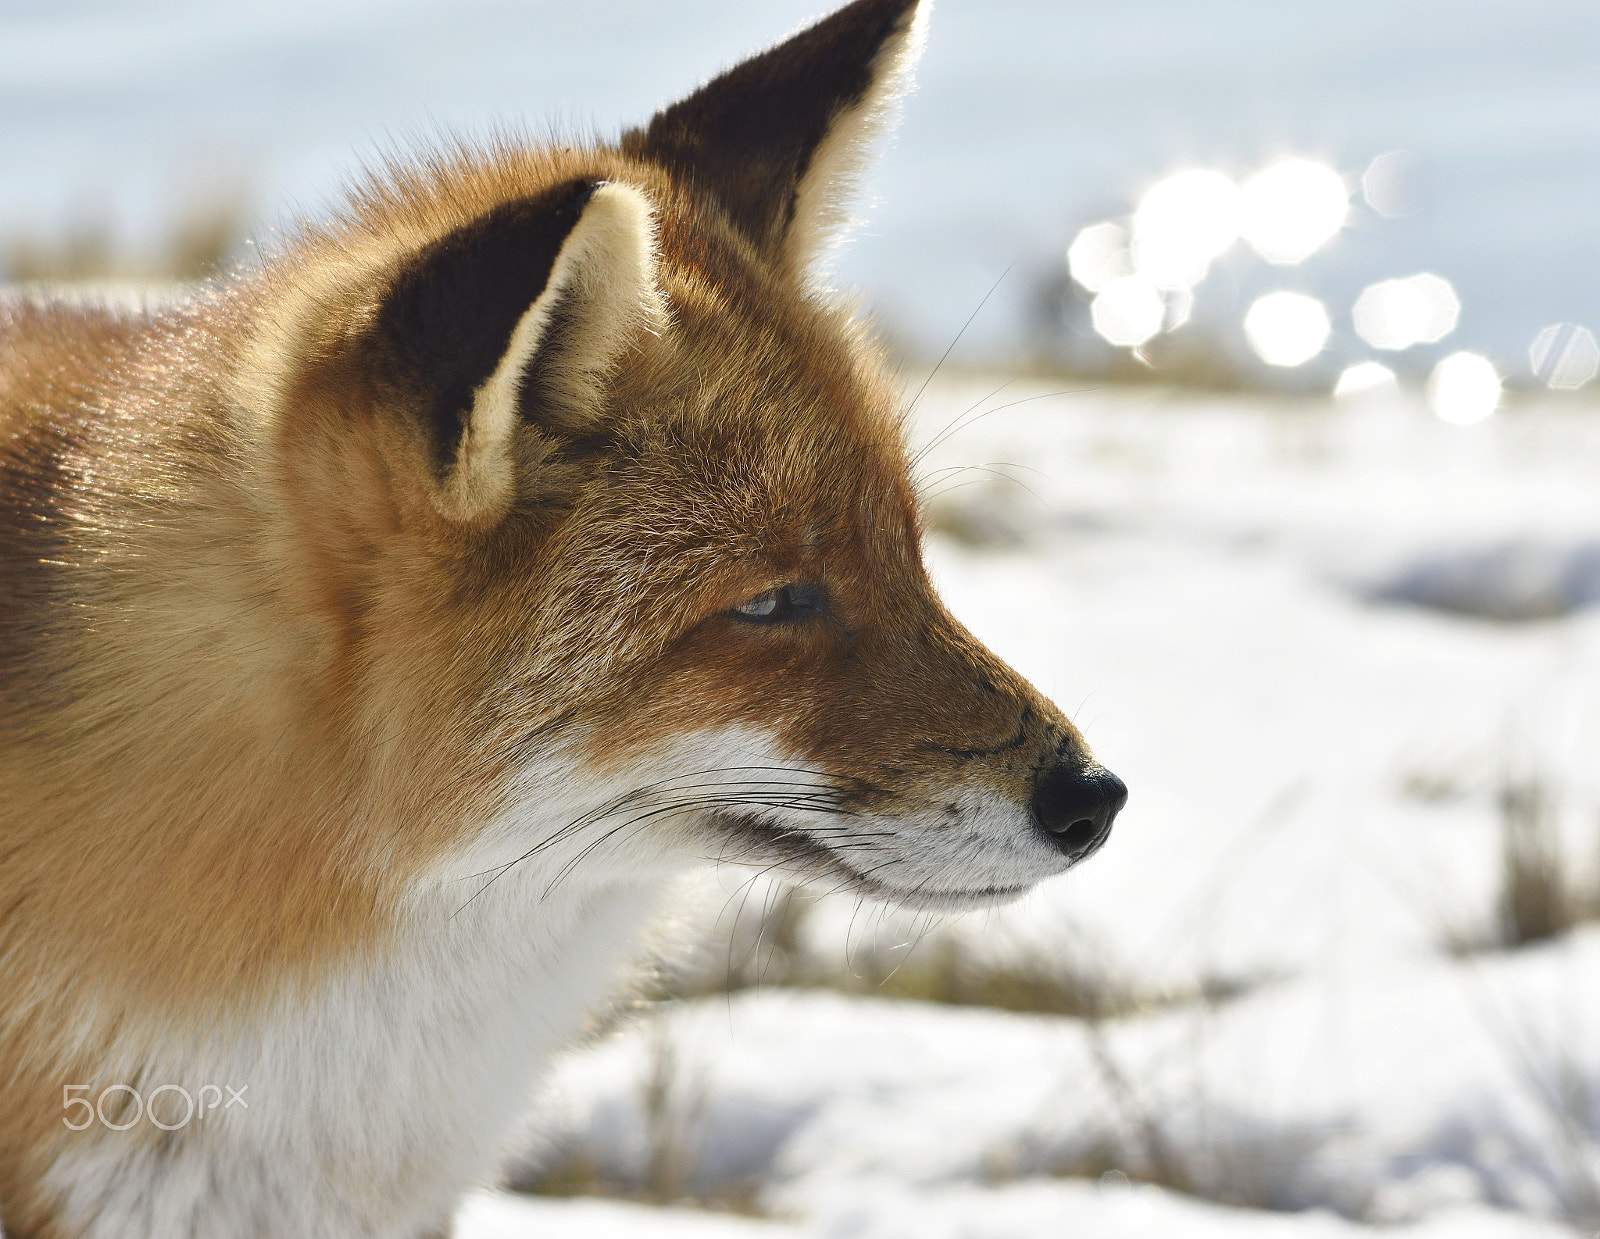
(516, 320)
(779, 140)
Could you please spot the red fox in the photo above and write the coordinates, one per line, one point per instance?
(382, 626)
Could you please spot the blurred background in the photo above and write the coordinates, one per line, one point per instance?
(1265, 439)
(1195, 156)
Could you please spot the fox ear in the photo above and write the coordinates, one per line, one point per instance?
(517, 319)
(780, 140)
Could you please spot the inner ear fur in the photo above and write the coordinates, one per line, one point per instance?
(780, 140)
(517, 319)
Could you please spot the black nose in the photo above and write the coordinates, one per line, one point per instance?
(1075, 806)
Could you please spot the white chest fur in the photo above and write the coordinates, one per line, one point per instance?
(371, 1106)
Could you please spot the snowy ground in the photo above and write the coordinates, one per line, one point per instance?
(1216, 589)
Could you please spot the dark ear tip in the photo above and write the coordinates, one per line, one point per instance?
(897, 13)
(747, 137)
(867, 23)
(906, 7)
(880, 8)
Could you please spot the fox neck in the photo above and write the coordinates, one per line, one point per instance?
(413, 1066)
(445, 1033)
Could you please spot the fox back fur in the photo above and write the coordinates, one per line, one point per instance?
(383, 625)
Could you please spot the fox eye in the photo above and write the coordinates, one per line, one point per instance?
(779, 606)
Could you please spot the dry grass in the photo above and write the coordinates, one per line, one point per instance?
(766, 947)
(1187, 1144)
(202, 238)
(672, 1100)
(1207, 1151)
(1535, 904)
(1544, 890)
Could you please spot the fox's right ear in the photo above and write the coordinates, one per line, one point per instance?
(779, 141)
(514, 321)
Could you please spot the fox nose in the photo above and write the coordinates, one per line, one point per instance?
(1075, 806)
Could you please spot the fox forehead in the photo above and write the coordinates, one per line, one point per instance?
(772, 450)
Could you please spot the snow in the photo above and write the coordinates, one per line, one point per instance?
(498, 1215)
(1412, 1092)
(1100, 1211)
(1314, 772)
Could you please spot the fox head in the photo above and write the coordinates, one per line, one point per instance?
(602, 505)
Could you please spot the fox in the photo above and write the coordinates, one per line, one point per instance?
(387, 624)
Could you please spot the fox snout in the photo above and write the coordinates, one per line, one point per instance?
(1074, 805)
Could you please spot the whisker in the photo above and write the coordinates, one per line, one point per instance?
(945, 355)
(720, 789)
(956, 424)
(680, 807)
(999, 408)
(930, 496)
(621, 801)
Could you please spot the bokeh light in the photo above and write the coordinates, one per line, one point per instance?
(1287, 329)
(1390, 184)
(1128, 311)
(1292, 209)
(1464, 388)
(1098, 255)
(1182, 223)
(1365, 379)
(1565, 356)
(1180, 308)
(1395, 314)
